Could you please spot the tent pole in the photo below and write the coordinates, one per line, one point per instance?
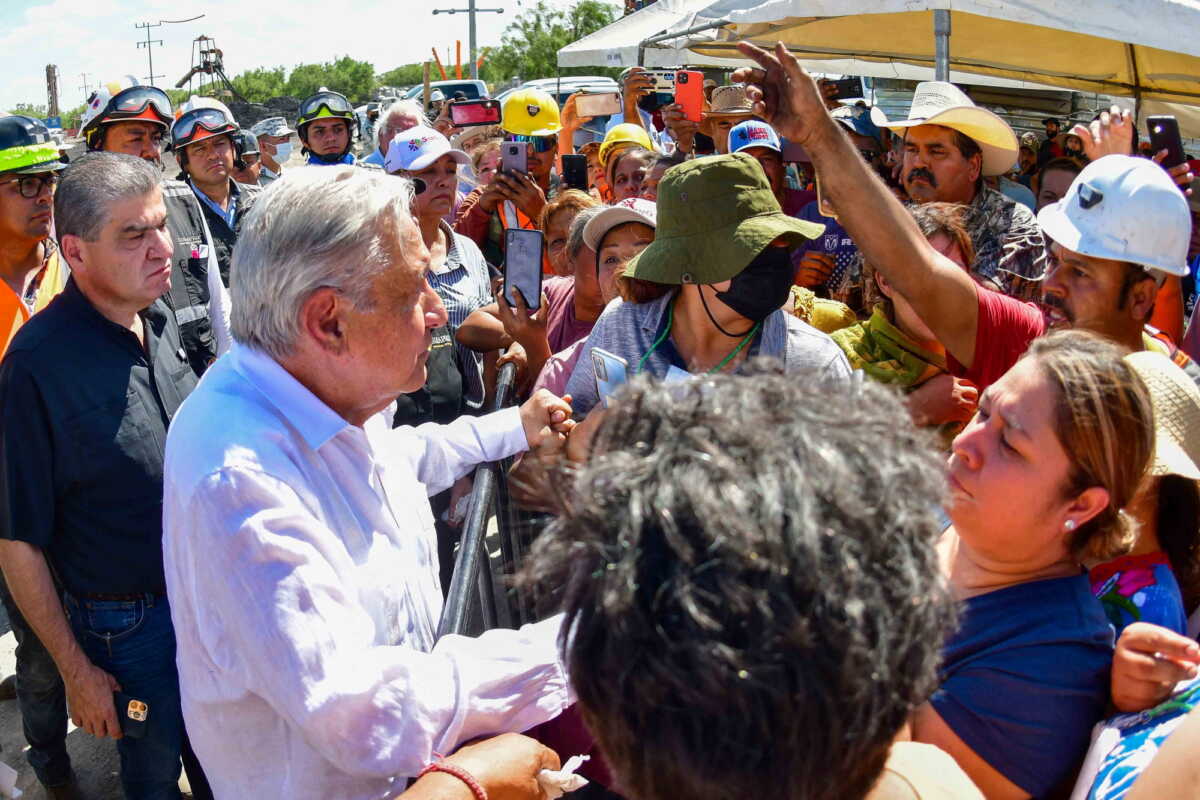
(941, 35)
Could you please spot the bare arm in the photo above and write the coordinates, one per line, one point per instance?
(89, 688)
(929, 727)
(941, 293)
(483, 331)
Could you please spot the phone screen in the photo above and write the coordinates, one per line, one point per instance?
(1164, 135)
(598, 105)
(610, 371)
(523, 267)
(514, 156)
(574, 173)
(475, 112)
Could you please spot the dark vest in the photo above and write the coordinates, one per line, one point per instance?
(188, 297)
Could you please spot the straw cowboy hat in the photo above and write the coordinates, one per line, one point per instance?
(1176, 401)
(942, 103)
(730, 101)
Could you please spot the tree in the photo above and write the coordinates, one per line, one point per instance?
(260, 85)
(406, 75)
(355, 79)
(29, 110)
(530, 44)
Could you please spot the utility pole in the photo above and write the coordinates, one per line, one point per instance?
(472, 11)
(148, 44)
(85, 86)
(51, 90)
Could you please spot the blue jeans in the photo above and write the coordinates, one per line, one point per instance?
(42, 698)
(134, 641)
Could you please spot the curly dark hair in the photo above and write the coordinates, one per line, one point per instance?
(753, 600)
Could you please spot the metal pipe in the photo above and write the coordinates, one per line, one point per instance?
(662, 37)
(941, 35)
(472, 552)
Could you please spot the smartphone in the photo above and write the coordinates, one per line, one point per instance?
(598, 105)
(465, 113)
(663, 93)
(847, 88)
(514, 157)
(575, 171)
(823, 206)
(132, 715)
(610, 372)
(523, 267)
(689, 93)
(1164, 135)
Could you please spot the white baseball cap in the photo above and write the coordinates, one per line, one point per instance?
(1125, 209)
(632, 209)
(416, 148)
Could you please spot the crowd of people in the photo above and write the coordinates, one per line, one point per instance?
(899, 499)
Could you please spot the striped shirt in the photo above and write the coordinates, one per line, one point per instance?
(464, 284)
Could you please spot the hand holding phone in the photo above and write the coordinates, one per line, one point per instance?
(523, 267)
(598, 105)
(1164, 135)
(610, 372)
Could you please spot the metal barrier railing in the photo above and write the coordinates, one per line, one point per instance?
(472, 586)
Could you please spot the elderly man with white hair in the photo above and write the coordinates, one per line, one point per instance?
(299, 547)
(399, 117)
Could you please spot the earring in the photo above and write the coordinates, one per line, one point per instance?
(1070, 525)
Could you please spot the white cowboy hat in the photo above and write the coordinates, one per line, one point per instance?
(942, 103)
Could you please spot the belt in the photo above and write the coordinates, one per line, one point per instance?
(125, 597)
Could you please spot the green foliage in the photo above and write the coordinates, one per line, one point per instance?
(355, 79)
(259, 85)
(530, 45)
(29, 110)
(407, 75)
(72, 118)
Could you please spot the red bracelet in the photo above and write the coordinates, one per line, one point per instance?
(453, 769)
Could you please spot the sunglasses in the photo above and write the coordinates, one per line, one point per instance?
(30, 186)
(538, 144)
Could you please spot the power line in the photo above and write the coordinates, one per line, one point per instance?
(472, 11)
(148, 44)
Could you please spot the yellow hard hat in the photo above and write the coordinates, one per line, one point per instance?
(625, 133)
(530, 112)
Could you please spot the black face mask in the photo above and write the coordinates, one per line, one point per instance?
(763, 286)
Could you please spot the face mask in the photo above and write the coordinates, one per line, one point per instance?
(763, 286)
(283, 152)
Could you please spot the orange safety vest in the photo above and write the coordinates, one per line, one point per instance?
(14, 313)
(517, 219)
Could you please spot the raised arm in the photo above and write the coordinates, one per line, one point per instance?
(941, 293)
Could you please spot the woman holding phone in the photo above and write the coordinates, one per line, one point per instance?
(457, 269)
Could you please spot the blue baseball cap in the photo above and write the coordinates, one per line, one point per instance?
(753, 133)
(857, 119)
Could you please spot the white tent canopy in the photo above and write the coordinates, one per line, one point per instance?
(1133, 48)
(617, 45)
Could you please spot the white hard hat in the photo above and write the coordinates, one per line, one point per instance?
(1125, 209)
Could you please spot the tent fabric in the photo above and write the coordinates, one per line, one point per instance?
(616, 45)
(1142, 48)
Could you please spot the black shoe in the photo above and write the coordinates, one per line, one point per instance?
(8, 688)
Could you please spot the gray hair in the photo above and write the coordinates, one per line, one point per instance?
(315, 227)
(92, 185)
(398, 111)
(575, 232)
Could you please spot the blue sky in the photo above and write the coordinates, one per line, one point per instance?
(97, 37)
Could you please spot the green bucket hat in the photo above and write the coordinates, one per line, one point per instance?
(715, 214)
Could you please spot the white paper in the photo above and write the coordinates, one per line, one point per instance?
(556, 783)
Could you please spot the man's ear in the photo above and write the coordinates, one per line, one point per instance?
(976, 166)
(322, 319)
(1142, 296)
(74, 249)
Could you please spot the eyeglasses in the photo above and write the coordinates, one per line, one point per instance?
(30, 186)
(539, 144)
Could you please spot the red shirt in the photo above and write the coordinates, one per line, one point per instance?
(1005, 329)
